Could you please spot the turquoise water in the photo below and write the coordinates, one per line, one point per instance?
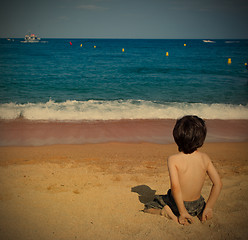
(58, 81)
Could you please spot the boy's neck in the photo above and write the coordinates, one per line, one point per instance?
(189, 153)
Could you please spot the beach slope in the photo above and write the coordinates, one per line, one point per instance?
(97, 191)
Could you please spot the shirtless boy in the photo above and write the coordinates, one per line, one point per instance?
(187, 170)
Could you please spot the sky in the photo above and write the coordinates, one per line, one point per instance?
(145, 19)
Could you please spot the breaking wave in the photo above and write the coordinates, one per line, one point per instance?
(72, 110)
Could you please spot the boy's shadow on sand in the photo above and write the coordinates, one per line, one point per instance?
(146, 194)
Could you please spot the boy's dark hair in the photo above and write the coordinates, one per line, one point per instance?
(189, 133)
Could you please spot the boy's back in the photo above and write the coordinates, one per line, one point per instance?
(191, 170)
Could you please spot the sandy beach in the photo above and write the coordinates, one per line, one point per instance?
(97, 191)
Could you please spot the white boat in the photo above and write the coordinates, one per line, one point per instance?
(32, 38)
(208, 41)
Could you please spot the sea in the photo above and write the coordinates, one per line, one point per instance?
(75, 91)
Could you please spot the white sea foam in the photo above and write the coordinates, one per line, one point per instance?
(119, 109)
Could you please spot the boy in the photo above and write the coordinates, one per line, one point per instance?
(187, 170)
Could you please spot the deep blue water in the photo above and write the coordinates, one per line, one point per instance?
(57, 71)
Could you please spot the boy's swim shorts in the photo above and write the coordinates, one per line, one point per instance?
(194, 208)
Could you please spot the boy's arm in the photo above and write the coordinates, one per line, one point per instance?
(184, 217)
(215, 191)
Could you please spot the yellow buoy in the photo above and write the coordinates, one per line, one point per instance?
(167, 54)
(245, 64)
(123, 50)
(229, 61)
(184, 44)
(81, 45)
(94, 46)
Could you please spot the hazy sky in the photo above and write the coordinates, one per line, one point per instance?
(125, 18)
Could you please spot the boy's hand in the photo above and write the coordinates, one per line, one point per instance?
(207, 214)
(185, 219)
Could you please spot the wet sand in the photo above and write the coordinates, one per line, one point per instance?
(22, 132)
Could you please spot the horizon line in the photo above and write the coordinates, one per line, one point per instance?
(129, 38)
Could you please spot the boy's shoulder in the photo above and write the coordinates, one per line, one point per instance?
(175, 158)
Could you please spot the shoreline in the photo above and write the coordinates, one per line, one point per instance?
(23, 132)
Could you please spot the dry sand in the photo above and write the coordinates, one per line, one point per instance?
(97, 191)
